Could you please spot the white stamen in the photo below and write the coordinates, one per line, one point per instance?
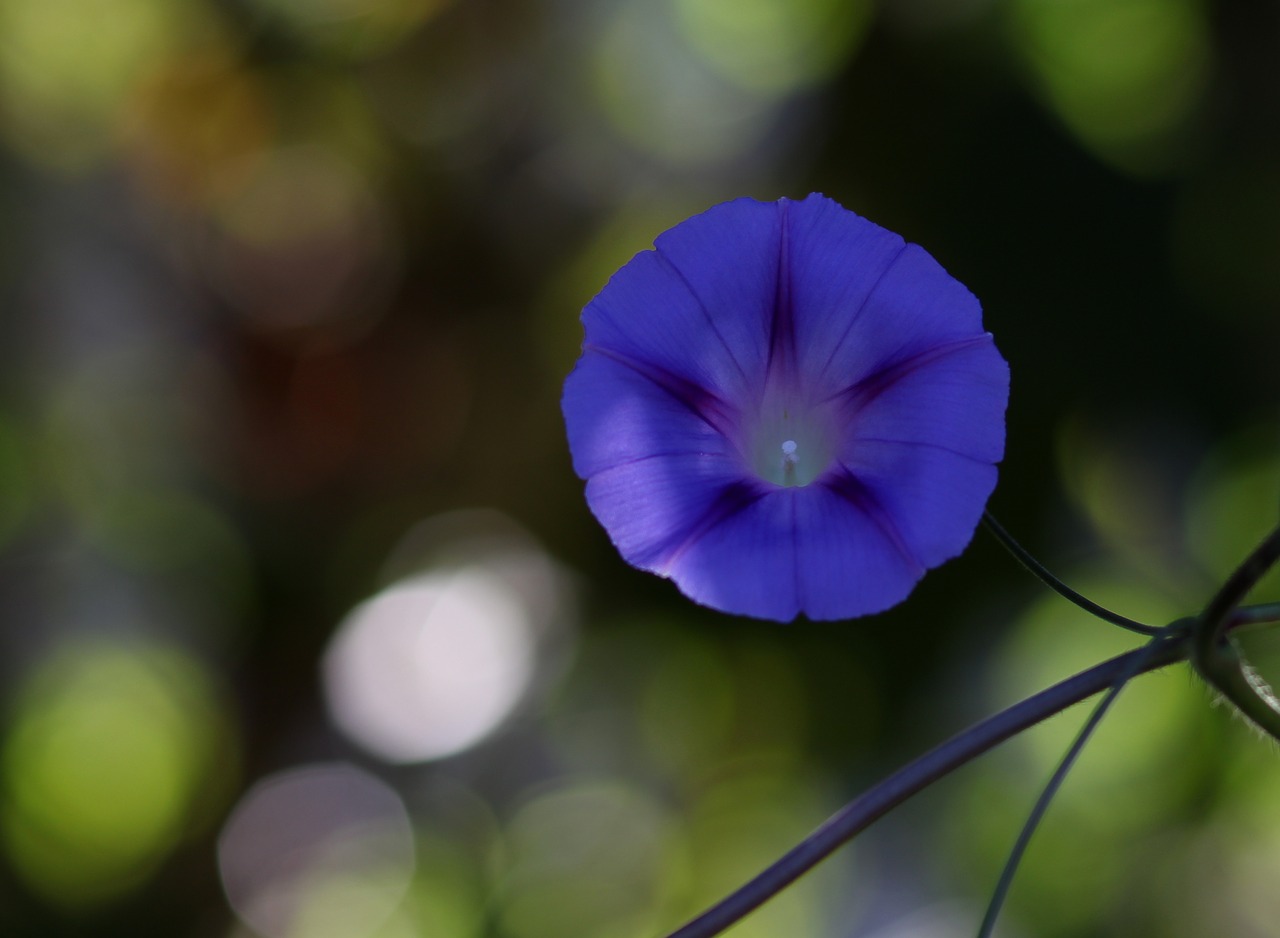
(789, 460)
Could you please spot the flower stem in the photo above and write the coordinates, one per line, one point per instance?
(1244, 618)
(857, 815)
(1055, 783)
(1023, 557)
(1263, 557)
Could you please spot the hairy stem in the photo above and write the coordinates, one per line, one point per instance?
(1216, 657)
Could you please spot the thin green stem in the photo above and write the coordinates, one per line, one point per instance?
(1051, 790)
(872, 804)
(1023, 557)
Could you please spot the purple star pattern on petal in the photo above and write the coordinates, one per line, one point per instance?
(787, 410)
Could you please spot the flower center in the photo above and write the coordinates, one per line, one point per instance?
(792, 447)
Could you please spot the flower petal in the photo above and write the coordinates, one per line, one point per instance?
(850, 558)
(653, 506)
(728, 256)
(615, 414)
(817, 550)
(862, 298)
(933, 497)
(699, 305)
(835, 261)
(953, 397)
(746, 562)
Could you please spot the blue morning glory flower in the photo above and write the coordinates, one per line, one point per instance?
(787, 409)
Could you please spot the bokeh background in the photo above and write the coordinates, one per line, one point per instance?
(305, 629)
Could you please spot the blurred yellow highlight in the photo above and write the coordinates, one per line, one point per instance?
(695, 82)
(1126, 76)
(774, 46)
(303, 245)
(358, 28)
(1235, 502)
(196, 126)
(66, 67)
(322, 851)
(688, 707)
(1123, 480)
(759, 809)
(111, 750)
(662, 96)
(592, 859)
(448, 895)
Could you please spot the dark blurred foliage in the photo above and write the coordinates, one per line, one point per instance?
(304, 614)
